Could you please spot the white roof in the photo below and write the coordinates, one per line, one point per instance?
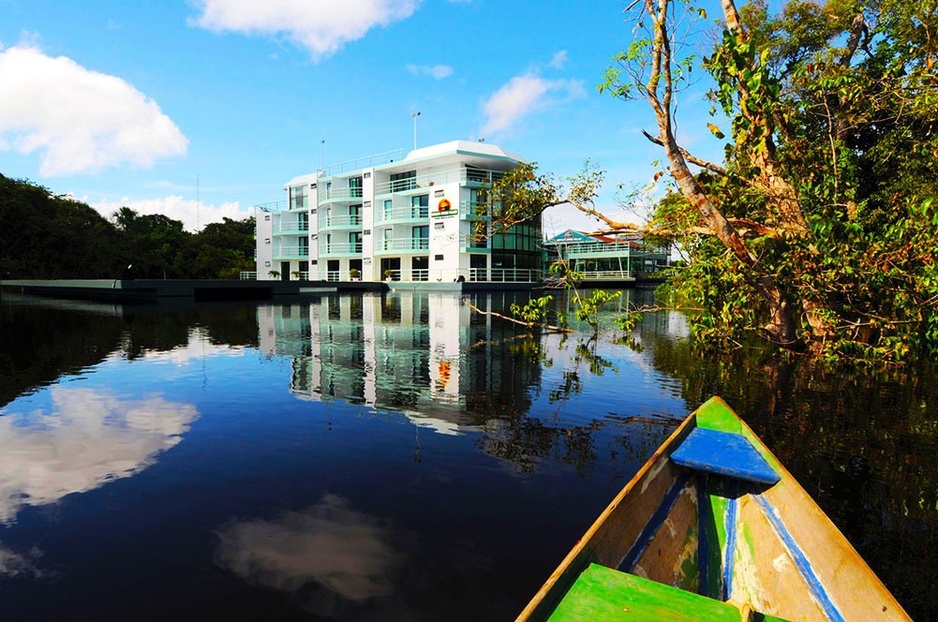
(463, 147)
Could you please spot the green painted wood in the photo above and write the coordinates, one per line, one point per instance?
(601, 593)
(714, 414)
(715, 512)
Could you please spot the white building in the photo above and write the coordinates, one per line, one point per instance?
(410, 219)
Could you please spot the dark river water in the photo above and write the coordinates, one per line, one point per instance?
(391, 457)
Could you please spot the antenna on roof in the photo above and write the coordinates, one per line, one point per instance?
(415, 115)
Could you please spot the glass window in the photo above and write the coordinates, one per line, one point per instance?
(420, 206)
(298, 197)
(403, 181)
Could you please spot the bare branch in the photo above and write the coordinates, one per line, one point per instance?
(556, 329)
(710, 166)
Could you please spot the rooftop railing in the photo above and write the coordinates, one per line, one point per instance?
(427, 180)
(395, 155)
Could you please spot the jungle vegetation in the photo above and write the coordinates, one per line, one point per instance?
(818, 229)
(48, 236)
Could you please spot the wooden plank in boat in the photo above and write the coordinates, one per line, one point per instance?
(724, 453)
(601, 593)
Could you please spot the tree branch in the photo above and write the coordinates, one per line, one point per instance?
(710, 166)
(556, 329)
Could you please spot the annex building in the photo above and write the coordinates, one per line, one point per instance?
(611, 257)
(411, 219)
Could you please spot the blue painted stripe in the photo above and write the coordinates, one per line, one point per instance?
(703, 555)
(801, 562)
(729, 551)
(656, 520)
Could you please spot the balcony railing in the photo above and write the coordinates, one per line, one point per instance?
(461, 175)
(273, 206)
(291, 228)
(598, 275)
(420, 274)
(290, 251)
(404, 244)
(339, 194)
(342, 248)
(399, 214)
(472, 209)
(343, 220)
(505, 275)
(247, 275)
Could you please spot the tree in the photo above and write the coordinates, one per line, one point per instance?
(818, 228)
(47, 236)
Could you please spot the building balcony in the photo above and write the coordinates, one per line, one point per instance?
(338, 195)
(401, 215)
(468, 177)
(473, 210)
(343, 221)
(340, 249)
(505, 275)
(292, 228)
(290, 251)
(402, 245)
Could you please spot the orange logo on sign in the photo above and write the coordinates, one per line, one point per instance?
(444, 205)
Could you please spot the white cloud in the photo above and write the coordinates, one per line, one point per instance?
(524, 95)
(79, 120)
(86, 440)
(437, 72)
(322, 27)
(193, 214)
(559, 60)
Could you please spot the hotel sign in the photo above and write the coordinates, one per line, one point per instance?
(445, 208)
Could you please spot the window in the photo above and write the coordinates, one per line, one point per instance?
(420, 206)
(355, 187)
(403, 181)
(439, 226)
(438, 258)
(367, 175)
(355, 214)
(421, 237)
(298, 197)
(266, 216)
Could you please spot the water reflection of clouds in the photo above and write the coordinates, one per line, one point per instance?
(347, 553)
(199, 346)
(87, 438)
(20, 564)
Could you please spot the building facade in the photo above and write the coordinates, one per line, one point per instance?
(413, 219)
(622, 257)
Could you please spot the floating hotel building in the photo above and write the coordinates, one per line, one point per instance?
(411, 219)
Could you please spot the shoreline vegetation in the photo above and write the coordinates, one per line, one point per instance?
(49, 236)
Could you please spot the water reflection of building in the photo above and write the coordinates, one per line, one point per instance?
(425, 355)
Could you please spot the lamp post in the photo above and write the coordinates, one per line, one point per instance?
(415, 115)
(322, 146)
(119, 274)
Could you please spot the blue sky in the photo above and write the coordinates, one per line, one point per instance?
(155, 105)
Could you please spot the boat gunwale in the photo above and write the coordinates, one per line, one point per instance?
(572, 557)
